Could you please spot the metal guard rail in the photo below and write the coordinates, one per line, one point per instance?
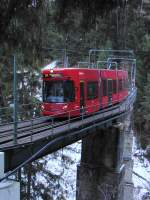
(129, 103)
(36, 121)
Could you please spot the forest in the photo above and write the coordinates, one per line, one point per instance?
(40, 31)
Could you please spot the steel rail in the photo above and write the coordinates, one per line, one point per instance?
(54, 142)
(57, 131)
(47, 124)
(34, 129)
(76, 135)
(22, 124)
(30, 130)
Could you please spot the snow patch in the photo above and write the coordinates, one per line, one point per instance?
(141, 174)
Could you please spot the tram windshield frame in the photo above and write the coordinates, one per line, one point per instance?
(58, 91)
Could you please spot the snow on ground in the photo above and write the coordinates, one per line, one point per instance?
(66, 164)
(141, 177)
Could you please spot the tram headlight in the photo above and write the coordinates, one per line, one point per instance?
(65, 107)
(42, 107)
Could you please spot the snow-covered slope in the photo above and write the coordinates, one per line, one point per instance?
(141, 175)
(66, 164)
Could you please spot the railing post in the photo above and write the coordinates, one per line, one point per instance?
(52, 124)
(69, 120)
(82, 113)
(15, 100)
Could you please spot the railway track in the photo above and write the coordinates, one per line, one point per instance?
(41, 128)
(42, 136)
(29, 128)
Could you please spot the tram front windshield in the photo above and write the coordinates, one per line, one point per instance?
(58, 91)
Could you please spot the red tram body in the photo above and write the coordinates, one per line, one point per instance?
(67, 91)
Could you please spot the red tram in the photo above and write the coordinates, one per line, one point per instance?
(67, 91)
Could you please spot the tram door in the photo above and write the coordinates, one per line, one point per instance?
(110, 91)
(82, 97)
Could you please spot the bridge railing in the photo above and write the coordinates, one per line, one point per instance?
(126, 107)
(52, 121)
(24, 111)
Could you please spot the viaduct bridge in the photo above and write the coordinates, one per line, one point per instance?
(106, 148)
(105, 170)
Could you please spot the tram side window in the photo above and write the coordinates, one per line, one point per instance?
(126, 84)
(104, 83)
(110, 88)
(92, 90)
(69, 91)
(120, 85)
(101, 89)
(114, 86)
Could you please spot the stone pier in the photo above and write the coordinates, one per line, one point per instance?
(9, 189)
(105, 171)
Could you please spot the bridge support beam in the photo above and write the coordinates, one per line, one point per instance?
(102, 171)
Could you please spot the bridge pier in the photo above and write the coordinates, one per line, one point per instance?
(127, 159)
(9, 189)
(103, 173)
